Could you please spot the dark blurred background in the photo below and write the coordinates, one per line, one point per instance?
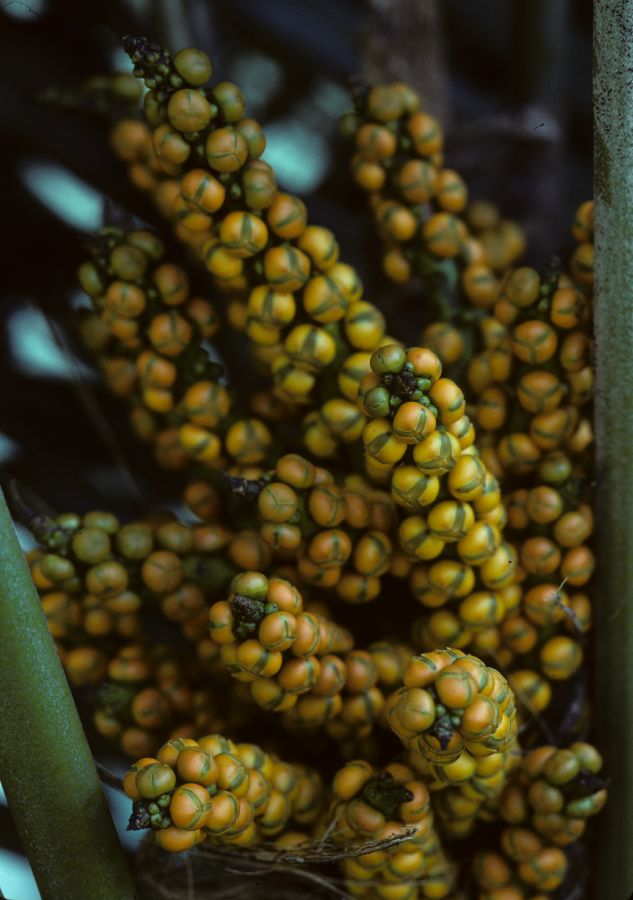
(509, 79)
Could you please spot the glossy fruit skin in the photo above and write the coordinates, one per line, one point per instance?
(302, 312)
(190, 806)
(154, 780)
(193, 65)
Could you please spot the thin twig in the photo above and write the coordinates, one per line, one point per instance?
(328, 832)
(530, 125)
(569, 612)
(108, 777)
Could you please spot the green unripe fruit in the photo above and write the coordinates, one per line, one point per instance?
(250, 584)
(91, 545)
(230, 101)
(555, 468)
(128, 262)
(69, 521)
(89, 280)
(193, 65)
(561, 767)
(57, 568)
(106, 579)
(389, 359)
(147, 242)
(135, 541)
(377, 402)
(253, 134)
(545, 798)
(155, 111)
(103, 520)
(584, 807)
(154, 780)
(587, 755)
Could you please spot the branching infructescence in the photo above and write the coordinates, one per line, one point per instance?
(457, 476)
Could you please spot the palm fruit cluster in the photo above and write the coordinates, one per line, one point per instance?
(551, 524)
(467, 752)
(468, 791)
(546, 468)
(545, 805)
(267, 639)
(338, 536)
(84, 591)
(507, 365)
(554, 791)
(211, 789)
(149, 336)
(149, 692)
(543, 320)
(452, 526)
(372, 803)
(456, 252)
(502, 239)
(524, 868)
(399, 162)
(100, 580)
(407, 399)
(532, 384)
(452, 707)
(528, 384)
(93, 573)
(199, 157)
(370, 677)
(457, 477)
(419, 442)
(349, 705)
(301, 663)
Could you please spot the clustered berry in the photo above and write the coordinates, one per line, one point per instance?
(149, 335)
(387, 554)
(215, 790)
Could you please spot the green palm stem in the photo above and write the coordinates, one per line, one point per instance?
(46, 767)
(613, 136)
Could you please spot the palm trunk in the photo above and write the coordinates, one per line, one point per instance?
(46, 767)
(613, 98)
